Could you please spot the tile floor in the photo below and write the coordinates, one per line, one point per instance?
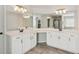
(44, 49)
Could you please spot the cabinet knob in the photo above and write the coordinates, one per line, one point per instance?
(18, 38)
(59, 37)
(72, 35)
(1, 33)
(21, 41)
(69, 39)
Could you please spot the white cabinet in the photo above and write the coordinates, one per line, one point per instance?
(16, 45)
(29, 41)
(21, 43)
(33, 39)
(63, 42)
(73, 42)
(52, 39)
(66, 40)
(26, 42)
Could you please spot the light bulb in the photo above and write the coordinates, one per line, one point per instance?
(60, 11)
(16, 8)
(64, 11)
(25, 10)
(21, 9)
(56, 12)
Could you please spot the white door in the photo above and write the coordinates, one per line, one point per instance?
(16, 45)
(1, 44)
(26, 42)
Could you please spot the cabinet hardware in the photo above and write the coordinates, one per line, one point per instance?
(18, 38)
(58, 37)
(69, 39)
(21, 41)
(72, 35)
(31, 37)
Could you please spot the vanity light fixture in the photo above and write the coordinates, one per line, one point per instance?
(20, 8)
(61, 11)
(23, 10)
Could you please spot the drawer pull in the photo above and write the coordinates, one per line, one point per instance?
(69, 39)
(18, 38)
(21, 41)
(59, 37)
(1, 33)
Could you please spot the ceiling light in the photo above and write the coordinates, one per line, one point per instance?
(61, 11)
(64, 11)
(16, 8)
(19, 8)
(56, 12)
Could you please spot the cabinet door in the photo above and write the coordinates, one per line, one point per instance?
(48, 41)
(63, 40)
(16, 45)
(33, 39)
(52, 39)
(1, 44)
(72, 42)
(26, 42)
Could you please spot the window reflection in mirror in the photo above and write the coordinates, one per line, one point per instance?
(69, 21)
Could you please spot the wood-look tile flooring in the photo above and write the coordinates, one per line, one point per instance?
(42, 48)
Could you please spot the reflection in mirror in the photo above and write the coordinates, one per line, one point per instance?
(39, 24)
(68, 21)
(48, 22)
(57, 22)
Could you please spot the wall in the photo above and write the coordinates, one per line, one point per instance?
(77, 18)
(13, 21)
(1, 18)
(1, 29)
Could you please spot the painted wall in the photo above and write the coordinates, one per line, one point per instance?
(78, 18)
(13, 21)
(1, 18)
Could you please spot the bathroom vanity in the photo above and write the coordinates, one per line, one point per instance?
(67, 40)
(20, 42)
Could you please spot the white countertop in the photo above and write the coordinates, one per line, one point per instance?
(45, 30)
(35, 30)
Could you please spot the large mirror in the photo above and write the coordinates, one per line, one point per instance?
(65, 21)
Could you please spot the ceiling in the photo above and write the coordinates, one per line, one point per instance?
(45, 9)
(48, 9)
